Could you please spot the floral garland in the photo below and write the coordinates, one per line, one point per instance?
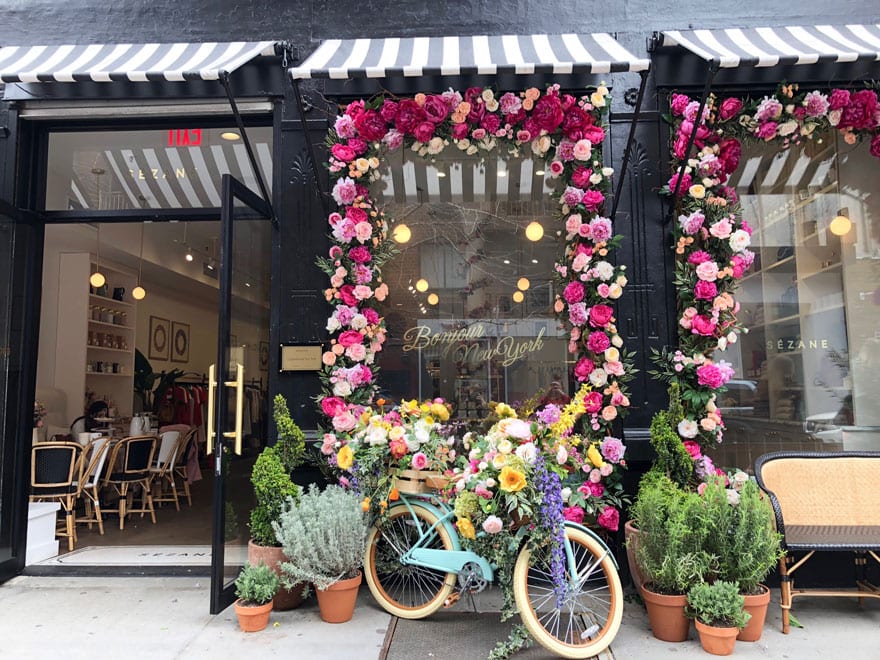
(711, 239)
(568, 132)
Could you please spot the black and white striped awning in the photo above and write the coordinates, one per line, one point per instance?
(481, 55)
(771, 46)
(127, 62)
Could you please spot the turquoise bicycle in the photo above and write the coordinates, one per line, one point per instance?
(415, 559)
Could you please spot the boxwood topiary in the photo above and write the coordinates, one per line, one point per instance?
(272, 486)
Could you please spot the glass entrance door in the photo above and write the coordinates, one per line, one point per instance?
(242, 363)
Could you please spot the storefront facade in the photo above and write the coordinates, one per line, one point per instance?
(470, 312)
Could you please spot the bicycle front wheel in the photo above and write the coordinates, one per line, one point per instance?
(407, 591)
(584, 619)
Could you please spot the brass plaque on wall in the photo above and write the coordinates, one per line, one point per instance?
(301, 358)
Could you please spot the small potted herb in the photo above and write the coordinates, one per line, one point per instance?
(718, 613)
(255, 588)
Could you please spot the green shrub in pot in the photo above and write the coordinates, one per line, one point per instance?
(272, 487)
(256, 585)
(719, 605)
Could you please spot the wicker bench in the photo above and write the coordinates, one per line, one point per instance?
(823, 502)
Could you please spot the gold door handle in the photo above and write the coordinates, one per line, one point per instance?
(212, 384)
(238, 384)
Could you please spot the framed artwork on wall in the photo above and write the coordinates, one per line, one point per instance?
(179, 342)
(160, 338)
(264, 356)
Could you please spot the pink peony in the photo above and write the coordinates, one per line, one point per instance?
(346, 292)
(574, 514)
(582, 369)
(598, 341)
(460, 131)
(698, 257)
(705, 290)
(729, 153)
(344, 127)
(861, 111)
(350, 337)
(839, 99)
(344, 191)
(729, 108)
(601, 229)
(409, 115)
(371, 315)
(343, 152)
(693, 449)
(686, 183)
(360, 255)
(609, 518)
(572, 196)
(691, 224)
(767, 131)
(370, 125)
(424, 131)
(600, 315)
(679, 103)
(548, 113)
(875, 146)
(710, 375)
(581, 176)
(815, 104)
(592, 199)
(573, 293)
(332, 406)
(593, 400)
(703, 325)
(436, 108)
(388, 111)
(577, 314)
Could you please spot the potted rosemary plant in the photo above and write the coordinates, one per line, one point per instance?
(718, 613)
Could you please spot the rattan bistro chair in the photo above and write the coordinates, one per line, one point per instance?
(94, 458)
(179, 475)
(54, 470)
(163, 468)
(130, 465)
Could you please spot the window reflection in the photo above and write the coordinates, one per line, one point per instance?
(470, 307)
(809, 368)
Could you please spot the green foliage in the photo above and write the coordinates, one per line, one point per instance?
(673, 460)
(518, 640)
(671, 551)
(272, 487)
(324, 536)
(291, 443)
(718, 604)
(256, 585)
(743, 537)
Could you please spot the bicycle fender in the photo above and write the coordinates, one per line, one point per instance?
(596, 537)
(437, 511)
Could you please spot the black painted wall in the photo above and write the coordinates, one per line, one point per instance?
(644, 312)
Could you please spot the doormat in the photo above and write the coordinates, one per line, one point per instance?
(146, 555)
(463, 635)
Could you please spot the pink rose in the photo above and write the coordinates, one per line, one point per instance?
(389, 111)
(600, 315)
(398, 448)
(592, 199)
(679, 103)
(342, 152)
(344, 422)
(693, 449)
(332, 406)
(419, 461)
(609, 518)
(583, 368)
(574, 514)
(593, 401)
(492, 525)
(708, 271)
(362, 292)
(729, 108)
(598, 341)
(381, 292)
(424, 131)
(356, 352)
(460, 131)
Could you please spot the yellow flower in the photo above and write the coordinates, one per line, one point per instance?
(466, 528)
(503, 410)
(595, 456)
(597, 99)
(511, 480)
(440, 411)
(697, 191)
(345, 457)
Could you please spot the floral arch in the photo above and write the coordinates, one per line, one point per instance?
(568, 132)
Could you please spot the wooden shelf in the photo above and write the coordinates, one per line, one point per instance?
(827, 269)
(104, 373)
(111, 325)
(111, 302)
(104, 348)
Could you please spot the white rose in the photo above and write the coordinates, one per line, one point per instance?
(561, 455)
(341, 388)
(359, 321)
(732, 497)
(621, 280)
(596, 179)
(787, 128)
(612, 354)
(565, 493)
(463, 143)
(731, 338)
(527, 453)
(617, 341)
(377, 436)
(739, 240)
(492, 105)
(333, 324)
(598, 377)
(471, 150)
(722, 343)
(435, 146)
(834, 117)
(615, 291)
(541, 145)
(687, 428)
(505, 446)
(604, 270)
(607, 171)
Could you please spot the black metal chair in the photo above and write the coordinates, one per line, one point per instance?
(55, 470)
(130, 465)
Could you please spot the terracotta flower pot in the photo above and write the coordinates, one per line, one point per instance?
(756, 606)
(717, 641)
(631, 534)
(252, 618)
(272, 556)
(337, 601)
(666, 616)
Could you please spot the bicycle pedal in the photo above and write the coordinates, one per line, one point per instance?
(452, 600)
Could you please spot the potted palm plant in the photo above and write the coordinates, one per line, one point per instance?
(743, 536)
(273, 485)
(671, 552)
(255, 588)
(718, 613)
(324, 538)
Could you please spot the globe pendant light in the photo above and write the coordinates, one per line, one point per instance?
(97, 278)
(138, 293)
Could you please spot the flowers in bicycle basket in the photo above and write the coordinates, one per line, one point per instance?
(383, 443)
(498, 486)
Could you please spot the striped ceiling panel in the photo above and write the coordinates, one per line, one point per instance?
(769, 46)
(127, 62)
(164, 178)
(452, 56)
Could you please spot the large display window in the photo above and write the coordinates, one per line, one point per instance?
(807, 370)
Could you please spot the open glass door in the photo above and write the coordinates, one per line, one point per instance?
(242, 359)
(20, 253)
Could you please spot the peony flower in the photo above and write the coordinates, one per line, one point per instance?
(574, 514)
(609, 518)
(573, 292)
(344, 191)
(583, 150)
(707, 271)
(612, 449)
(598, 341)
(419, 461)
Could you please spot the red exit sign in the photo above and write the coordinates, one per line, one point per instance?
(184, 137)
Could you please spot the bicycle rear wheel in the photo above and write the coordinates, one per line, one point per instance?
(409, 592)
(592, 604)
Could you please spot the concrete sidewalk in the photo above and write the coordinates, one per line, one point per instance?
(159, 618)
